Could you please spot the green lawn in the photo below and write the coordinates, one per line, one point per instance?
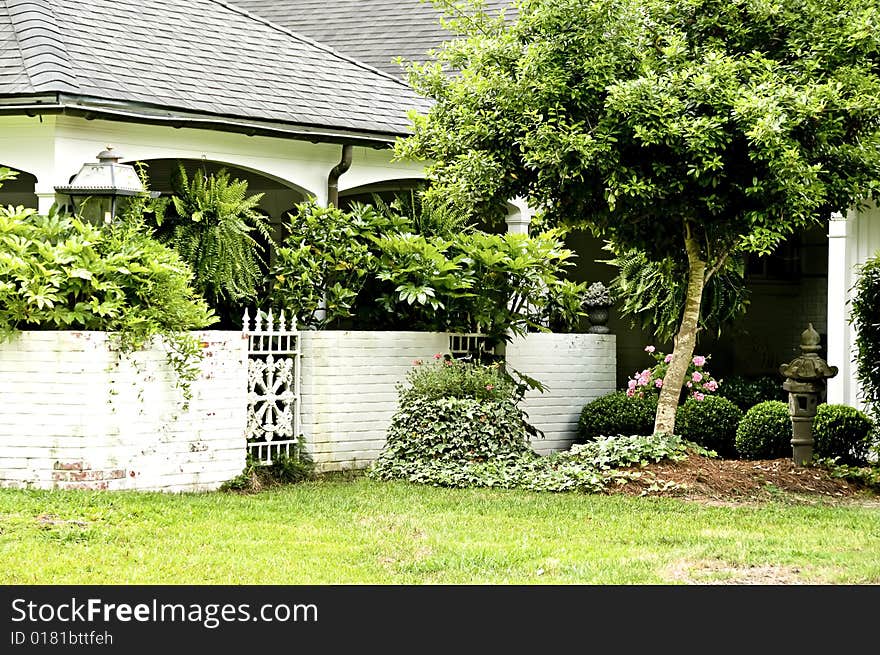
(361, 531)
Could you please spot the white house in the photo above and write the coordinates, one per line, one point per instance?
(217, 84)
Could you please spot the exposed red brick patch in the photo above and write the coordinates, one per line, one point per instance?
(69, 466)
(89, 486)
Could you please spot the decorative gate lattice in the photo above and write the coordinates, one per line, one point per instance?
(273, 385)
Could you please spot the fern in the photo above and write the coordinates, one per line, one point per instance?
(653, 293)
(213, 228)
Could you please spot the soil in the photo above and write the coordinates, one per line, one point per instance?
(727, 481)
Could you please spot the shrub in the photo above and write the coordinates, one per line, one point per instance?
(453, 378)
(866, 320)
(617, 413)
(712, 423)
(59, 272)
(765, 431)
(746, 392)
(372, 269)
(843, 432)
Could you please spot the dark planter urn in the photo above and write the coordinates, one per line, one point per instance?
(598, 318)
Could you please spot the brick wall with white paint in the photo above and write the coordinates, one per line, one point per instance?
(574, 368)
(76, 413)
(348, 393)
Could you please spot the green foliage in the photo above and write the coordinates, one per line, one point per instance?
(451, 378)
(865, 317)
(867, 476)
(652, 293)
(323, 263)
(617, 413)
(764, 431)
(844, 433)
(711, 422)
(58, 272)
(284, 469)
(746, 392)
(638, 116)
(213, 228)
(372, 270)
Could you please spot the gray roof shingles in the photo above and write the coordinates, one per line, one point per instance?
(201, 56)
(373, 31)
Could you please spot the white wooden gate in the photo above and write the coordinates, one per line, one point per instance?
(273, 385)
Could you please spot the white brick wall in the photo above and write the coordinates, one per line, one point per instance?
(575, 368)
(348, 390)
(76, 414)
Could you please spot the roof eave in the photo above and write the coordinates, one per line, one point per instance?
(130, 112)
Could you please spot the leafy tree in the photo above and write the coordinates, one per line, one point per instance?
(687, 129)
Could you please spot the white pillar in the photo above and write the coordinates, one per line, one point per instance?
(45, 200)
(520, 218)
(839, 282)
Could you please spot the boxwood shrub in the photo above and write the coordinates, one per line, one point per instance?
(711, 422)
(746, 392)
(617, 413)
(843, 432)
(765, 431)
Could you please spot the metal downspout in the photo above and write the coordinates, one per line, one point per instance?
(333, 179)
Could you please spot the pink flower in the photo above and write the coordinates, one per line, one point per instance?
(438, 356)
(668, 358)
(711, 385)
(689, 385)
(630, 392)
(448, 362)
(489, 387)
(658, 382)
(632, 384)
(699, 360)
(697, 376)
(417, 362)
(698, 395)
(650, 349)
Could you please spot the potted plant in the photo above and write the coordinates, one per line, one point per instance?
(597, 299)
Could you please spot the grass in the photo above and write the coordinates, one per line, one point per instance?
(354, 531)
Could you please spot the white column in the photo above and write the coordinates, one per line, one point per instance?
(45, 200)
(839, 282)
(520, 218)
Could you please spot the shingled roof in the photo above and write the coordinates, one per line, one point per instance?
(373, 31)
(191, 62)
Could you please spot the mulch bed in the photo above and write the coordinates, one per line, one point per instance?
(703, 478)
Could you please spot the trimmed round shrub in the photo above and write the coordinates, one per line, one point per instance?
(844, 432)
(617, 413)
(711, 422)
(765, 431)
(746, 392)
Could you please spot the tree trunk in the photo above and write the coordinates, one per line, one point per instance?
(685, 339)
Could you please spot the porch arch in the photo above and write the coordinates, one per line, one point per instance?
(19, 191)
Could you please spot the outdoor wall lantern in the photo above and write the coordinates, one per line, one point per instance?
(95, 192)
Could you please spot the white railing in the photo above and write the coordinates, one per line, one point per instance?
(273, 385)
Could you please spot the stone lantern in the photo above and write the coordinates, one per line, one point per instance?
(805, 383)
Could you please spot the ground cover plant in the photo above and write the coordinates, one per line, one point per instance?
(361, 531)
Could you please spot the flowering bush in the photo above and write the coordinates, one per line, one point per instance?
(698, 381)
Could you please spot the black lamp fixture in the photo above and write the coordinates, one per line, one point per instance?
(104, 182)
